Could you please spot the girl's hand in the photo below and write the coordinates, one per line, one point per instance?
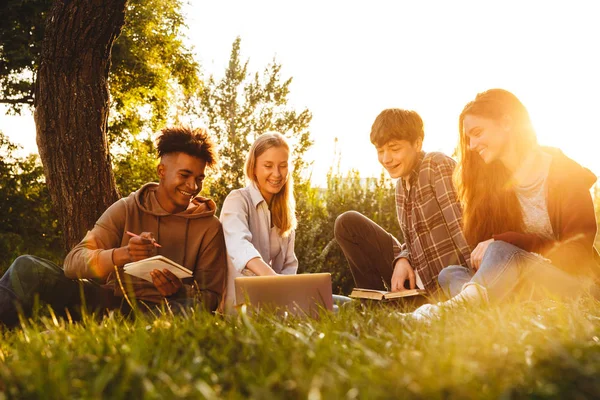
(478, 253)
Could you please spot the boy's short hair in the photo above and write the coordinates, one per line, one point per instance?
(396, 124)
(182, 139)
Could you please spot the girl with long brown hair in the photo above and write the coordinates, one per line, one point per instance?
(527, 210)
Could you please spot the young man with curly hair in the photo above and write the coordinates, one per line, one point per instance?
(169, 213)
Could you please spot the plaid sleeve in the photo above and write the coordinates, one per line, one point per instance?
(447, 198)
(400, 249)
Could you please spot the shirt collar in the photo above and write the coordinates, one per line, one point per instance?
(257, 198)
(414, 174)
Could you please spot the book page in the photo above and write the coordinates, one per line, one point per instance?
(370, 290)
(405, 293)
(142, 268)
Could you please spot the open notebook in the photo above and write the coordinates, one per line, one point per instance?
(142, 268)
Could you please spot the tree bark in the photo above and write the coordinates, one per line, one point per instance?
(71, 110)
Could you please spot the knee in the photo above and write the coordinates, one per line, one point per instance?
(444, 278)
(498, 250)
(448, 274)
(23, 264)
(29, 267)
(345, 222)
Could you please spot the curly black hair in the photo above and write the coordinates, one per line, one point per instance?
(182, 139)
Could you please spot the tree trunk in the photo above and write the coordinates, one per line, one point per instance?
(71, 110)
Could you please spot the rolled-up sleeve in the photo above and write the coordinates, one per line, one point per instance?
(238, 238)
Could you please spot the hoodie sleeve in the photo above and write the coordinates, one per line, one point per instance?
(92, 257)
(210, 273)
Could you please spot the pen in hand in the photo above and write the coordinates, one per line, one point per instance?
(134, 235)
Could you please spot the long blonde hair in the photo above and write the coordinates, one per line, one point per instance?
(283, 205)
(490, 205)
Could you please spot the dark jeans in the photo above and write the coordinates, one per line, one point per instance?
(368, 248)
(507, 271)
(31, 277)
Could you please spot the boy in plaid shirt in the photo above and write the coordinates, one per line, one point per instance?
(427, 208)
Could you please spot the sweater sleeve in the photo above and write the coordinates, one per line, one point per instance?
(238, 238)
(92, 257)
(573, 251)
(400, 249)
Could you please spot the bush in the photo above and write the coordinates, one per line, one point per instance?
(28, 225)
(318, 209)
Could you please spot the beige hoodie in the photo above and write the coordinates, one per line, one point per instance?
(192, 238)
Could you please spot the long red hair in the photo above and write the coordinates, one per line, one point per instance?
(490, 205)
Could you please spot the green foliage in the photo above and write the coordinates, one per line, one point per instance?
(318, 209)
(21, 34)
(150, 68)
(27, 223)
(242, 106)
(516, 351)
(136, 166)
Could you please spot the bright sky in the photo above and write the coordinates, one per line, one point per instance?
(350, 60)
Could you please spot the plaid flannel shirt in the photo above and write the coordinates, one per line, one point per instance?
(430, 219)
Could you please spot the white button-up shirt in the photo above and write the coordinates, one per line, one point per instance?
(246, 221)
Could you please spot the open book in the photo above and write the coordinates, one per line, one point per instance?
(372, 294)
(142, 268)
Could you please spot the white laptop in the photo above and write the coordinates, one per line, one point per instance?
(302, 295)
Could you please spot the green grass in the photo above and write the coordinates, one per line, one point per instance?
(533, 350)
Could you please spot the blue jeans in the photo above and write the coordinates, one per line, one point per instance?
(507, 270)
(31, 277)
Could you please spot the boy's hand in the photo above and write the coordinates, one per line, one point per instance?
(141, 247)
(166, 282)
(402, 272)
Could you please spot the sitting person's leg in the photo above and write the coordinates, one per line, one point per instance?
(31, 277)
(368, 248)
(452, 279)
(506, 271)
(340, 300)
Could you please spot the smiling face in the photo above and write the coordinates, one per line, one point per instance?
(487, 137)
(398, 157)
(271, 171)
(180, 180)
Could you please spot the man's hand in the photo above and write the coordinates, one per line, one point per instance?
(141, 247)
(166, 282)
(402, 272)
(478, 253)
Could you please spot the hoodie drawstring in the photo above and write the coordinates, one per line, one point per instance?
(185, 239)
(158, 229)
